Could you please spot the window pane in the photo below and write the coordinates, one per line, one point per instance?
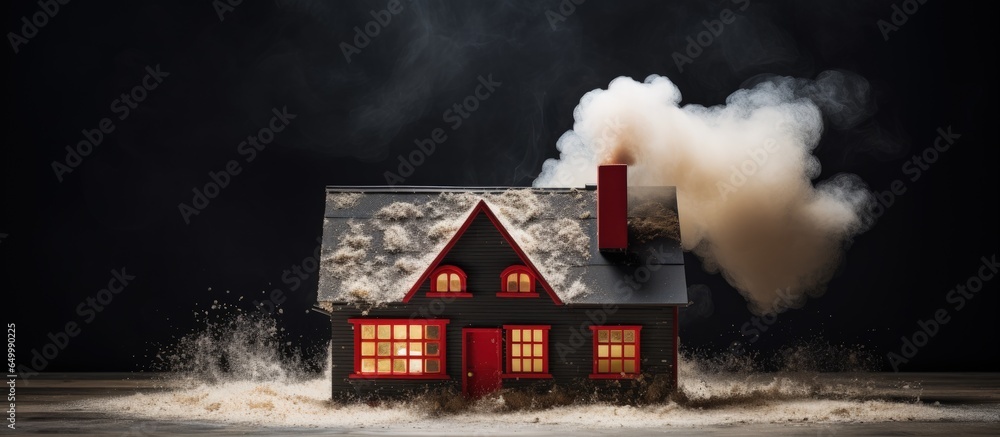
(442, 282)
(526, 350)
(456, 283)
(538, 350)
(629, 336)
(384, 349)
(538, 365)
(432, 332)
(602, 350)
(616, 351)
(538, 335)
(515, 365)
(602, 366)
(515, 350)
(629, 350)
(616, 366)
(367, 348)
(433, 366)
(416, 366)
(526, 365)
(416, 332)
(525, 282)
(399, 348)
(399, 332)
(512, 282)
(616, 336)
(416, 348)
(516, 335)
(629, 366)
(432, 348)
(368, 365)
(384, 365)
(602, 335)
(398, 366)
(367, 332)
(384, 331)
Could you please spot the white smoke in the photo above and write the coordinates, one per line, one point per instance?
(744, 175)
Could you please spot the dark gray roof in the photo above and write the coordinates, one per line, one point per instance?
(377, 241)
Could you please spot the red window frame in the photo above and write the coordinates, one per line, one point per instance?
(607, 357)
(448, 270)
(521, 270)
(408, 340)
(534, 348)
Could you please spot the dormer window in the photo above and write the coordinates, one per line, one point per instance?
(448, 281)
(517, 281)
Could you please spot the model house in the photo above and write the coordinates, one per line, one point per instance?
(479, 289)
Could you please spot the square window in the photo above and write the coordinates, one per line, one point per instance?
(515, 365)
(526, 365)
(515, 350)
(384, 348)
(416, 348)
(616, 336)
(629, 366)
(602, 335)
(537, 349)
(384, 332)
(398, 366)
(399, 332)
(629, 336)
(432, 348)
(616, 351)
(399, 349)
(367, 365)
(416, 332)
(602, 350)
(433, 332)
(367, 332)
(384, 365)
(433, 366)
(516, 335)
(629, 351)
(416, 366)
(367, 348)
(538, 336)
(602, 366)
(526, 350)
(616, 366)
(538, 365)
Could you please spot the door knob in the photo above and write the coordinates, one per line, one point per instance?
(470, 374)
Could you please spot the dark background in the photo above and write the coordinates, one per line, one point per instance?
(119, 208)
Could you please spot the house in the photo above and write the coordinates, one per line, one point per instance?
(477, 289)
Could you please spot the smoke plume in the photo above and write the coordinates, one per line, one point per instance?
(743, 170)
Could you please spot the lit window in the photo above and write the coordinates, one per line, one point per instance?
(517, 279)
(393, 347)
(448, 279)
(527, 349)
(616, 351)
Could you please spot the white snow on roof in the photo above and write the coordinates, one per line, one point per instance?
(375, 254)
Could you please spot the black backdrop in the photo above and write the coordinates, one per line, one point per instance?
(60, 240)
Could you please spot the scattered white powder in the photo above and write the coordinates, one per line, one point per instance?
(396, 239)
(399, 211)
(344, 200)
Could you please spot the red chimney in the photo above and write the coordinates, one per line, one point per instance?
(612, 202)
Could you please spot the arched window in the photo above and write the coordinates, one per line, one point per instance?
(517, 279)
(448, 279)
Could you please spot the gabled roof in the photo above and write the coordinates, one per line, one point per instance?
(380, 243)
(482, 208)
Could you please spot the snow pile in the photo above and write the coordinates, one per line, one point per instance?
(378, 260)
(344, 200)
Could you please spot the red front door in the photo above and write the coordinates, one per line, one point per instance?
(482, 368)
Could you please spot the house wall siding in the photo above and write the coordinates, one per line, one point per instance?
(483, 254)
